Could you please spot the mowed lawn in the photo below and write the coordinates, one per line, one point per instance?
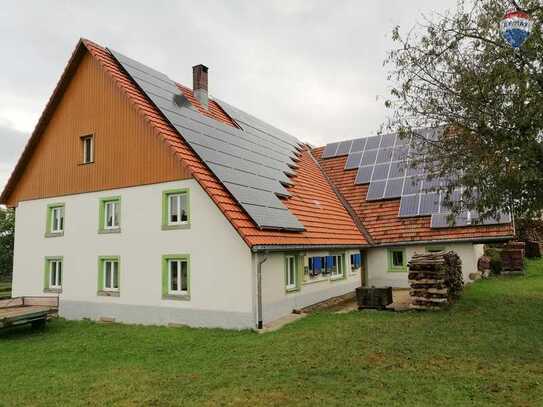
(487, 350)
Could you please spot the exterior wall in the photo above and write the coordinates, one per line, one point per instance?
(277, 302)
(127, 150)
(377, 258)
(220, 262)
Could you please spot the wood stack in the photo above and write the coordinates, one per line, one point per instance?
(435, 279)
(512, 257)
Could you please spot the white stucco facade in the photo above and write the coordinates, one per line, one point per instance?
(277, 301)
(223, 270)
(221, 284)
(378, 273)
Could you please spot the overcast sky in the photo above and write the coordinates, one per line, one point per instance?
(311, 68)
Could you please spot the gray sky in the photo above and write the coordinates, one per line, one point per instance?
(311, 68)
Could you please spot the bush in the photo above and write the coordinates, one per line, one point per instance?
(496, 265)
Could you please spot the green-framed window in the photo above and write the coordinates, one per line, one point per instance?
(109, 214)
(337, 269)
(292, 272)
(176, 277)
(54, 225)
(176, 209)
(109, 275)
(397, 260)
(435, 249)
(54, 269)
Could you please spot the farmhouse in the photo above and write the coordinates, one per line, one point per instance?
(141, 200)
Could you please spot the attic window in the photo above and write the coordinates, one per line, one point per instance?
(88, 149)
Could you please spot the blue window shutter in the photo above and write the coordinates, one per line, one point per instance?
(317, 266)
(329, 262)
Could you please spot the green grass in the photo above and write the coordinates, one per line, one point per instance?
(486, 350)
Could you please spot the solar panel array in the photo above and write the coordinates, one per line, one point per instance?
(251, 162)
(383, 162)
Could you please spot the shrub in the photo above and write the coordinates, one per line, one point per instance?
(496, 264)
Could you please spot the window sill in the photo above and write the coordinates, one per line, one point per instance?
(336, 278)
(292, 290)
(90, 162)
(54, 234)
(104, 293)
(320, 280)
(109, 231)
(52, 290)
(183, 297)
(176, 227)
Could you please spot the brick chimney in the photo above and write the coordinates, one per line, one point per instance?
(199, 83)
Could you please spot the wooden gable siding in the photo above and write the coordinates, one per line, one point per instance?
(127, 150)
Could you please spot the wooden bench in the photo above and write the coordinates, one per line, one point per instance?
(27, 310)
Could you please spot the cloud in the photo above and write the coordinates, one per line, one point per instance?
(312, 68)
(12, 142)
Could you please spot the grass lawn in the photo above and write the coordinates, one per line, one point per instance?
(486, 350)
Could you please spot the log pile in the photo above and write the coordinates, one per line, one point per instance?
(435, 279)
(512, 257)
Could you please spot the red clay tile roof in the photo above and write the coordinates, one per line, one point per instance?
(313, 201)
(381, 217)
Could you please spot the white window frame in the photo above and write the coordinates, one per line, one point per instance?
(337, 271)
(179, 208)
(179, 263)
(90, 140)
(353, 268)
(60, 224)
(55, 279)
(291, 272)
(115, 205)
(112, 275)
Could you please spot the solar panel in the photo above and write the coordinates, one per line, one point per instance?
(364, 175)
(429, 203)
(388, 140)
(353, 161)
(358, 145)
(376, 190)
(344, 148)
(380, 172)
(250, 162)
(412, 185)
(384, 155)
(373, 142)
(393, 188)
(400, 153)
(397, 169)
(409, 205)
(368, 158)
(330, 150)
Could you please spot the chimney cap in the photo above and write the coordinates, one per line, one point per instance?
(201, 66)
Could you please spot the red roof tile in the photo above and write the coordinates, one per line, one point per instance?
(381, 217)
(313, 201)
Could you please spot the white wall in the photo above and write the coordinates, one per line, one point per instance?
(220, 279)
(278, 302)
(379, 276)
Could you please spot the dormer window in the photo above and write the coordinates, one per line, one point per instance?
(88, 149)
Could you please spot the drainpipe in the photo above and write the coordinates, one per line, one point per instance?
(259, 289)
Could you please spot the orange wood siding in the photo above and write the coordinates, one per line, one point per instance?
(128, 152)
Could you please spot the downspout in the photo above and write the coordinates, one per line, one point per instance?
(259, 290)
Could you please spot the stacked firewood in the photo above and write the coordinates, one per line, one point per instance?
(435, 279)
(512, 257)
